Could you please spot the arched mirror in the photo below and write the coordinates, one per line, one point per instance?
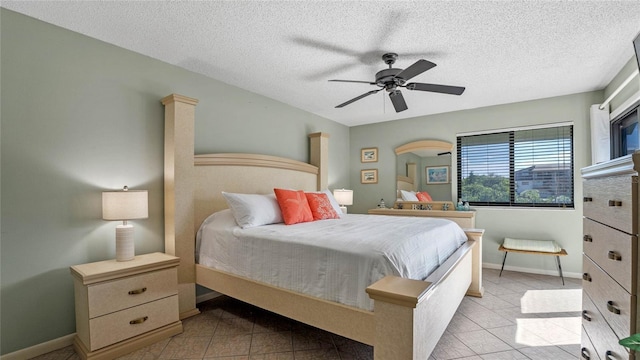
(425, 165)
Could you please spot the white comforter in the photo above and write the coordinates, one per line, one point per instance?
(332, 259)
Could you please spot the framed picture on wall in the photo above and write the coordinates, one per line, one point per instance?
(369, 155)
(437, 174)
(369, 176)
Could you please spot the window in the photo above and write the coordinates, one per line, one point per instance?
(524, 167)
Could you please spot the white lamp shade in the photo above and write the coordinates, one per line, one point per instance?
(125, 205)
(343, 197)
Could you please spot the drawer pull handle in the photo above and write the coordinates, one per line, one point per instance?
(138, 320)
(615, 203)
(587, 238)
(612, 308)
(137, 291)
(614, 256)
(585, 354)
(586, 277)
(609, 355)
(585, 316)
(587, 199)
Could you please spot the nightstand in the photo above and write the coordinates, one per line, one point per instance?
(124, 306)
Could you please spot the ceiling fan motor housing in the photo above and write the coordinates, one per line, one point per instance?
(387, 78)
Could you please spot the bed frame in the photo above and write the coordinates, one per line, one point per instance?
(409, 316)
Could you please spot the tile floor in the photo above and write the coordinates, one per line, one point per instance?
(521, 316)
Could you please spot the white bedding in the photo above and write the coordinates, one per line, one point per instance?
(331, 259)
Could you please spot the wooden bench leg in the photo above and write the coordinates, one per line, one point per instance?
(560, 269)
(503, 261)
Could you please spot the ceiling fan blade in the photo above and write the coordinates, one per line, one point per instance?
(444, 89)
(415, 69)
(398, 100)
(355, 81)
(358, 98)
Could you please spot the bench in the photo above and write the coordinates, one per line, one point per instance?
(534, 247)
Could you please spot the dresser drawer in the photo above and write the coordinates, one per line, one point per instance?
(587, 350)
(604, 340)
(614, 303)
(115, 295)
(608, 200)
(613, 251)
(109, 329)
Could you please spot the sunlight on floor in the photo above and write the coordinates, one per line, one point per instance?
(551, 301)
(546, 331)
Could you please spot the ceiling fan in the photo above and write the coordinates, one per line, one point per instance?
(392, 78)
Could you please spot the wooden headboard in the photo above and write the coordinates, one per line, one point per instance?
(193, 184)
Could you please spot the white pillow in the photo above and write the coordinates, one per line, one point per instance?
(251, 210)
(408, 195)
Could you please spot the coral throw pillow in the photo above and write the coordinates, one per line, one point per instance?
(423, 196)
(294, 206)
(320, 205)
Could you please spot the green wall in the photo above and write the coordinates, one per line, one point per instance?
(80, 116)
(565, 226)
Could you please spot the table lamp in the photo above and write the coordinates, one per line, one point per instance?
(125, 205)
(343, 197)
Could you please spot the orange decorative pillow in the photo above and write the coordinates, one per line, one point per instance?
(320, 205)
(423, 196)
(294, 206)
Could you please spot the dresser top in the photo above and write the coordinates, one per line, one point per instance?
(628, 164)
(111, 269)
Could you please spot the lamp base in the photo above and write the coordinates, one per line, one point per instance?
(344, 209)
(125, 246)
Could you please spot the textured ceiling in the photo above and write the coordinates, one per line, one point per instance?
(501, 51)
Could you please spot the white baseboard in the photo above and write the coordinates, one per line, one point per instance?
(40, 349)
(533, 271)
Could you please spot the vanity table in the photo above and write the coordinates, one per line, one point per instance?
(466, 219)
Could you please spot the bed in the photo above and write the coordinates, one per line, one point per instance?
(408, 315)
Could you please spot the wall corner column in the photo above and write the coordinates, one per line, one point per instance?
(178, 194)
(319, 156)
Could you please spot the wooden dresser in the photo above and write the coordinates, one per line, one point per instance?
(610, 257)
(123, 306)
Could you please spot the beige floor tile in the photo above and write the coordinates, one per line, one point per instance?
(273, 356)
(271, 342)
(504, 355)
(229, 345)
(185, 348)
(483, 342)
(547, 353)
(450, 347)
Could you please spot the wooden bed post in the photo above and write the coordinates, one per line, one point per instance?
(179, 118)
(319, 156)
(476, 289)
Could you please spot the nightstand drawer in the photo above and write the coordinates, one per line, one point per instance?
(115, 295)
(125, 324)
(612, 250)
(612, 301)
(602, 337)
(609, 200)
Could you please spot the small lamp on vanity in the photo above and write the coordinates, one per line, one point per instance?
(344, 198)
(125, 205)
